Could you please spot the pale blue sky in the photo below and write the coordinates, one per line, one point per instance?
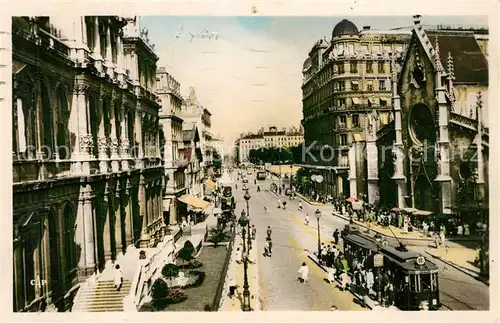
(251, 75)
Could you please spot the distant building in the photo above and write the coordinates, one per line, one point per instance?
(345, 78)
(272, 138)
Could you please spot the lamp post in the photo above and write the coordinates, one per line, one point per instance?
(318, 216)
(291, 176)
(243, 222)
(279, 178)
(247, 198)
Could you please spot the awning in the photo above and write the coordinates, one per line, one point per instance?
(356, 137)
(351, 199)
(193, 201)
(210, 184)
(423, 213)
(355, 101)
(166, 205)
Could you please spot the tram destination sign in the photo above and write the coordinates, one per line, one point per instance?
(378, 260)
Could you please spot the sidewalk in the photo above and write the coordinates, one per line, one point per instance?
(237, 271)
(312, 202)
(461, 259)
(372, 304)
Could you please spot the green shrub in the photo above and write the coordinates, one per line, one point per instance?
(170, 271)
(192, 265)
(185, 254)
(218, 235)
(159, 289)
(200, 278)
(189, 247)
(176, 295)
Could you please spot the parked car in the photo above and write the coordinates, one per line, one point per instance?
(288, 192)
(245, 180)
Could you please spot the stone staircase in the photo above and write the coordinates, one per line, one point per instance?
(101, 297)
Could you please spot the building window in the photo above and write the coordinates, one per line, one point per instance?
(369, 67)
(383, 102)
(341, 85)
(341, 103)
(341, 68)
(354, 86)
(354, 67)
(381, 68)
(355, 120)
(369, 86)
(381, 85)
(342, 121)
(343, 139)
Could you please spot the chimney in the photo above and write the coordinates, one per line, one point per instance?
(416, 19)
(366, 27)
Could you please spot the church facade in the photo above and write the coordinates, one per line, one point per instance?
(434, 155)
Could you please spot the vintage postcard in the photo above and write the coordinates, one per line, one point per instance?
(267, 159)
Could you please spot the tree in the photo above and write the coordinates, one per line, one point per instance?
(217, 235)
(159, 289)
(185, 254)
(189, 246)
(170, 271)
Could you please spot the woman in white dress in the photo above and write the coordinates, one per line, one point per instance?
(118, 277)
(330, 274)
(304, 273)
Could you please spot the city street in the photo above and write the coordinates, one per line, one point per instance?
(292, 240)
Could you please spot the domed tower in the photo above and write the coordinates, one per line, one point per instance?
(345, 28)
(344, 35)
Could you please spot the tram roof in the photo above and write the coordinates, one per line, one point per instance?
(363, 241)
(408, 259)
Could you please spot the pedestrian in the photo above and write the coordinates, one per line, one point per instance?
(466, 230)
(254, 232)
(266, 248)
(369, 281)
(425, 228)
(460, 230)
(232, 286)
(269, 232)
(345, 280)
(284, 205)
(265, 208)
(304, 273)
(279, 203)
(306, 220)
(270, 246)
(442, 238)
(118, 278)
(237, 255)
(333, 308)
(330, 274)
(236, 186)
(336, 236)
(300, 206)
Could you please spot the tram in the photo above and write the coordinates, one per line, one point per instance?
(413, 277)
(227, 201)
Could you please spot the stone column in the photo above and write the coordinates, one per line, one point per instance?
(120, 69)
(108, 61)
(143, 213)
(102, 141)
(119, 219)
(124, 141)
(106, 235)
(138, 134)
(96, 54)
(128, 215)
(352, 171)
(85, 233)
(443, 144)
(481, 183)
(372, 163)
(79, 124)
(113, 140)
(398, 147)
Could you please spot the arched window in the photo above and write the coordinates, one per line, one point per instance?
(46, 123)
(70, 256)
(63, 144)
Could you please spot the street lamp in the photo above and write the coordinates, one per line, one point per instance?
(247, 198)
(318, 216)
(291, 169)
(243, 222)
(279, 178)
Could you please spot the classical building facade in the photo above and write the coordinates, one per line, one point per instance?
(345, 79)
(194, 114)
(87, 177)
(272, 138)
(171, 141)
(434, 155)
(194, 156)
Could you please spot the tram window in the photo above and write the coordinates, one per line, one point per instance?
(434, 279)
(415, 283)
(426, 282)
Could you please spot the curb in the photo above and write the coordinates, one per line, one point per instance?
(310, 202)
(478, 277)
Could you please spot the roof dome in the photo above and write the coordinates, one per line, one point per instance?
(343, 28)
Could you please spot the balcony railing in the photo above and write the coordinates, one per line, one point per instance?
(463, 121)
